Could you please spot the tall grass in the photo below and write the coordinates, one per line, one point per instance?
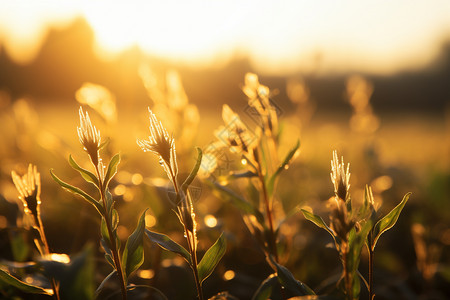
(252, 188)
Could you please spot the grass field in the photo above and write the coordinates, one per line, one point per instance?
(407, 152)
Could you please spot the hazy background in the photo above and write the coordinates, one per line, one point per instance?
(368, 78)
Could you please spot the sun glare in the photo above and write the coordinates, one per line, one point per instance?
(278, 37)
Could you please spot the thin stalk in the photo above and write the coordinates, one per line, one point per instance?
(47, 252)
(371, 259)
(348, 284)
(114, 250)
(272, 241)
(190, 240)
(194, 268)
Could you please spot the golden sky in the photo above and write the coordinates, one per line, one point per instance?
(277, 36)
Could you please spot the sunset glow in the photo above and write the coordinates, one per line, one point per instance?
(324, 36)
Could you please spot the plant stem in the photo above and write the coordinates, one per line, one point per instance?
(190, 238)
(47, 252)
(194, 267)
(112, 239)
(371, 259)
(272, 239)
(348, 283)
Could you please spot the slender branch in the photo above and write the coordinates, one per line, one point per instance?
(112, 239)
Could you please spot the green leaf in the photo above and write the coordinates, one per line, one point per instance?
(168, 244)
(265, 289)
(282, 166)
(112, 169)
(134, 293)
(78, 192)
(365, 209)
(356, 243)
(76, 279)
(194, 171)
(109, 203)
(104, 231)
(106, 243)
(212, 258)
(133, 255)
(102, 285)
(87, 175)
(318, 221)
(388, 221)
(25, 287)
(291, 284)
(115, 219)
(240, 202)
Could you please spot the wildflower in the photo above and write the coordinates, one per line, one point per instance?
(89, 137)
(340, 177)
(340, 221)
(29, 187)
(160, 143)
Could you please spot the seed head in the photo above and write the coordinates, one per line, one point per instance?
(340, 177)
(29, 187)
(160, 143)
(89, 137)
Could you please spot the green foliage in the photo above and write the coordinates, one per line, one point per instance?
(319, 222)
(133, 255)
(194, 171)
(168, 244)
(239, 201)
(79, 192)
(8, 279)
(265, 289)
(75, 278)
(291, 284)
(112, 169)
(388, 221)
(102, 285)
(212, 258)
(287, 160)
(87, 175)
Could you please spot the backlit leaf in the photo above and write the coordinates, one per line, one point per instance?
(87, 175)
(317, 220)
(25, 287)
(265, 289)
(78, 192)
(133, 255)
(212, 258)
(167, 243)
(291, 284)
(240, 202)
(112, 169)
(388, 221)
(194, 171)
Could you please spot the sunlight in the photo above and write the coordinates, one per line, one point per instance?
(193, 30)
(278, 38)
(24, 25)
